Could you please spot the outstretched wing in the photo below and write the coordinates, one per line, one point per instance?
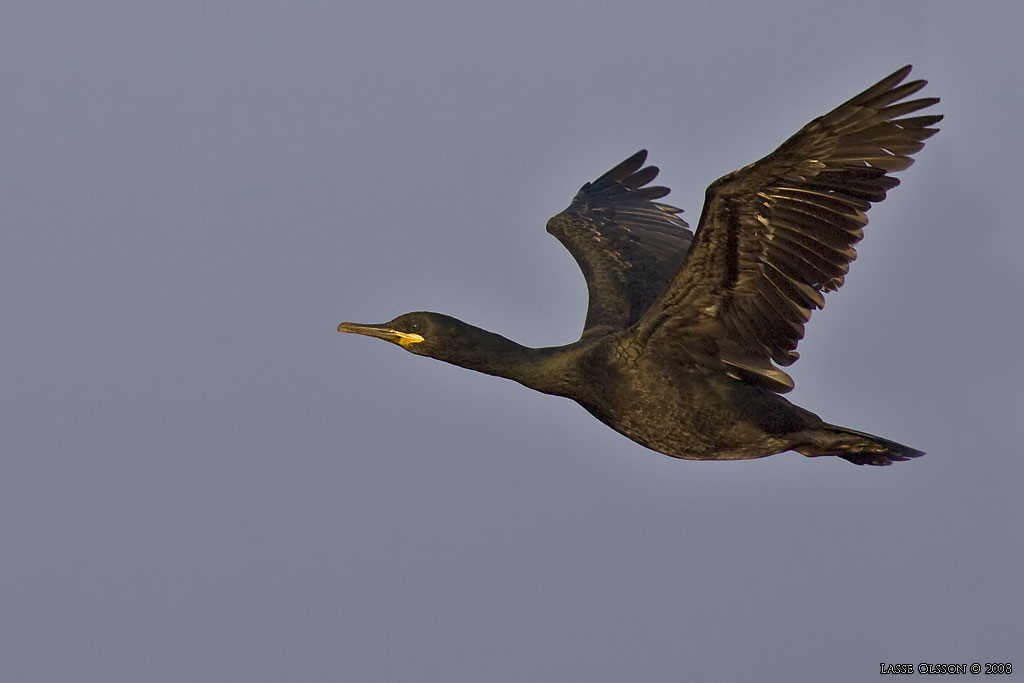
(627, 245)
(777, 234)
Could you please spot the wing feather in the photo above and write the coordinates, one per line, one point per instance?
(627, 245)
(775, 235)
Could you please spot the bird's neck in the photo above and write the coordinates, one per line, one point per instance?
(542, 369)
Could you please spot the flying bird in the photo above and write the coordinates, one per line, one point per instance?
(686, 333)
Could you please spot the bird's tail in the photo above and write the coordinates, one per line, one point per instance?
(859, 448)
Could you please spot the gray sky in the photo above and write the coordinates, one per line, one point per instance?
(200, 480)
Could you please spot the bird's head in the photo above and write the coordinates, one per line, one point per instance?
(425, 334)
(448, 339)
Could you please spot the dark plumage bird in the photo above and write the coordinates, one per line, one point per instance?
(685, 332)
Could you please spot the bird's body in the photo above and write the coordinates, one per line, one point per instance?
(683, 411)
(684, 331)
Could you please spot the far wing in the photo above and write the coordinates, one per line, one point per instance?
(777, 234)
(627, 245)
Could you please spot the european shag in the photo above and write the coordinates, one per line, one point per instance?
(685, 331)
